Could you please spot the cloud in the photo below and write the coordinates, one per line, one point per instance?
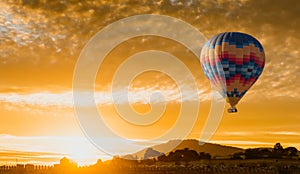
(40, 99)
(242, 143)
(138, 95)
(54, 33)
(284, 133)
(257, 138)
(236, 133)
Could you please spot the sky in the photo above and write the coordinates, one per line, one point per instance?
(41, 40)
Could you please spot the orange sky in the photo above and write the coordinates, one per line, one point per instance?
(40, 44)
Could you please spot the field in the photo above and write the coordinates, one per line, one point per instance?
(262, 166)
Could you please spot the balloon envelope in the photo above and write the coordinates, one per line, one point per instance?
(232, 61)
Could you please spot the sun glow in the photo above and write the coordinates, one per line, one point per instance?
(44, 148)
(83, 153)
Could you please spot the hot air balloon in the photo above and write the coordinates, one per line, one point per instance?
(232, 61)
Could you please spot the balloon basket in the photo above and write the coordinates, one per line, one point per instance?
(232, 109)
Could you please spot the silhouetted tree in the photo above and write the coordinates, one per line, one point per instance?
(204, 155)
(182, 155)
(278, 148)
(162, 158)
(238, 155)
(174, 156)
(252, 153)
(265, 153)
(189, 155)
(277, 151)
(290, 151)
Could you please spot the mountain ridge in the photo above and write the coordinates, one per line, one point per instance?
(191, 144)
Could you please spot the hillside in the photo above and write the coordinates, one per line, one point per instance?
(213, 149)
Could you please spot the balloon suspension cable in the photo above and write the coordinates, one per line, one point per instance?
(232, 109)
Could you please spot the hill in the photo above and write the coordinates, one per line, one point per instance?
(213, 149)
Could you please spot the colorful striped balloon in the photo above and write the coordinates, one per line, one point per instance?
(232, 61)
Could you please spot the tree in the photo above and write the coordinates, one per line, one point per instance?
(291, 151)
(183, 155)
(239, 155)
(163, 158)
(252, 153)
(204, 155)
(278, 148)
(277, 151)
(189, 155)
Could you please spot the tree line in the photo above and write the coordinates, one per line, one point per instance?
(278, 152)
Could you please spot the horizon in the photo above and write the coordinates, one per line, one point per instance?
(37, 160)
(42, 41)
